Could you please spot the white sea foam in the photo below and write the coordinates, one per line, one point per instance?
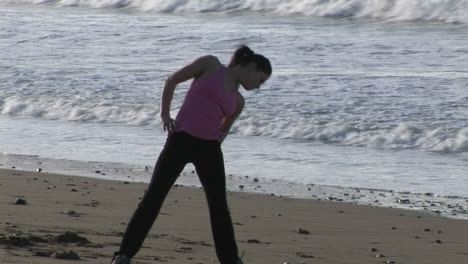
(398, 136)
(450, 11)
(79, 110)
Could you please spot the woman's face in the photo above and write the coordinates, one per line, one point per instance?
(254, 78)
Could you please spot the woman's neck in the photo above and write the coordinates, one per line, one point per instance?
(234, 78)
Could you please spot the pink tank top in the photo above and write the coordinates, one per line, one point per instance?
(205, 106)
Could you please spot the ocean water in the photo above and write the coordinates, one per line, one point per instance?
(368, 101)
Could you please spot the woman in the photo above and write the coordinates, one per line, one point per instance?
(211, 106)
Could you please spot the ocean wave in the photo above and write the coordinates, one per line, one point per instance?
(79, 110)
(398, 136)
(439, 138)
(448, 11)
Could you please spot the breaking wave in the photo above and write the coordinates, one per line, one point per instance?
(441, 139)
(448, 11)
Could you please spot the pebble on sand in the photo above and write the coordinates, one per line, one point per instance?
(71, 213)
(70, 255)
(184, 249)
(43, 253)
(303, 255)
(20, 201)
(302, 231)
(71, 237)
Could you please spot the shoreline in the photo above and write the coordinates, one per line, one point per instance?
(452, 206)
(270, 229)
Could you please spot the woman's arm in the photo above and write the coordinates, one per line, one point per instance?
(192, 70)
(228, 121)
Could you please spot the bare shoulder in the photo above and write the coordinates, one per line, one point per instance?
(209, 61)
(208, 64)
(196, 69)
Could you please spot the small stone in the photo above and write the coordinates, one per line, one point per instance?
(20, 201)
(373, 250)
(73, 190)
(427, 230)
(389, 262)
(97, 172)
(255, 180)
(253, 241)
(438, 241)
(302, 231)
(380, 256)
(184, 248)
(38, 170)
(43, 253)
(70, 255)
(71, 237)
(70, 212)
(302, 255)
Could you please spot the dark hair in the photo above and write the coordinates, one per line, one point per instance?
(244, 55)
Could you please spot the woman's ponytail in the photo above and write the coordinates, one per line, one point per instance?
(244, 55)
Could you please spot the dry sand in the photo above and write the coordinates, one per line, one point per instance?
(267, 227)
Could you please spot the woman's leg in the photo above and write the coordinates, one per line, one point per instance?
(170, 164)
(210, 169)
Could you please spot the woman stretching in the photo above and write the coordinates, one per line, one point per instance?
(211, 106)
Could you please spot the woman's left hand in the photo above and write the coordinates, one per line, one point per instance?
(168, 124)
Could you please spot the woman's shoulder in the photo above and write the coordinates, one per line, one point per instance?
(209, 61)
(208, 65)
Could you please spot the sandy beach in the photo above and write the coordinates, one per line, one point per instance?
(47, 218)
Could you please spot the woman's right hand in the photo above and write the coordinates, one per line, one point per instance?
(168, 124)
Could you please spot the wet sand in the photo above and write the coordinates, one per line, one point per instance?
(66, 218)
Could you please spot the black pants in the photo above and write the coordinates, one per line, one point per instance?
(207, 157)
